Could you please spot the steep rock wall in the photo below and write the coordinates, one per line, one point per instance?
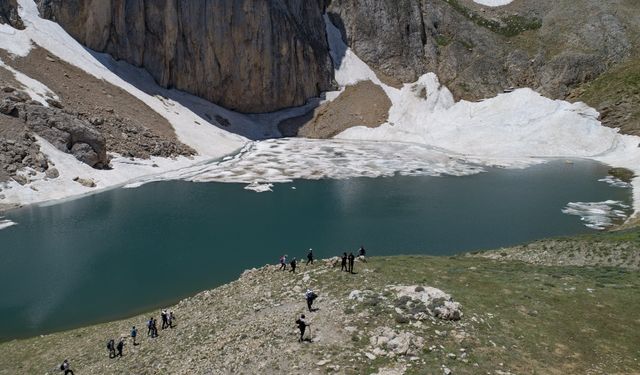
(478, 51)
(246, 55)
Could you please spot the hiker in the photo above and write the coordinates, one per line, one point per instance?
(361, 253)
(283, 262)
(163, 316)
(310, 296)
(344, 262)
(302, 326)
(171, 318)
(154, 326)
(120, 347)
(66, 367)
(134, 334)
(351, 261)
(310, 257)
(150, 327)
(293, 265)
(111, 346)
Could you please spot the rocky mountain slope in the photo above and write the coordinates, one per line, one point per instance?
(478, 51)
(497, 316)
(244, 55)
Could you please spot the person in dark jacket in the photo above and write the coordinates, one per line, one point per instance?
(302, 326)
(134, 334)
(120, 347)
(111, 347)
(351, 262)
(66, 367)
(310, 257)
(294, 262)
(344, 262)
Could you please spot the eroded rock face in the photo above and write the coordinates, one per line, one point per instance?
(478, 51)
(9, 14)
(250, 56)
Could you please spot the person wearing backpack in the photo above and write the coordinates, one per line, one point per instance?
(120, 347)
(134, 334)
(111, 347)
(302, 326)
(310, 296)
(66, 367)
(294, 262)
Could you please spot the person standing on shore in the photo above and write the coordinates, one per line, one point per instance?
(310, 257)
(150, 327)
(66, 367)
(283, 262)
(111, 347)
(134, 334)
(294, 262)
(351, 262)
(344, 262)
(302, 326)
(171, 319)
(361, 253)
(163, 317)
(120, 347)
(154, 328)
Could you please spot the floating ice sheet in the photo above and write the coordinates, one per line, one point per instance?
(615, 182)
(598, 215)
(285, 160)
(5, 223)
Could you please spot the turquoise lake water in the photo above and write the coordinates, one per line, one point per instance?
(125, 251)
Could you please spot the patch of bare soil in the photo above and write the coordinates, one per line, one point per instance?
(362, 104)
(130, 127)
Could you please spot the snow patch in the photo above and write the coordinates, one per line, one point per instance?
(259, 187)
(493, 3)
(615, 182)
(598, 215)
(36, 89)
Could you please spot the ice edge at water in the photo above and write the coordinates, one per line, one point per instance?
(598, 215)
(6, 223)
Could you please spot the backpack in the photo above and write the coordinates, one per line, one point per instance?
(61, 366)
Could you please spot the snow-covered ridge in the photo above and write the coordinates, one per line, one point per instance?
(493, 3)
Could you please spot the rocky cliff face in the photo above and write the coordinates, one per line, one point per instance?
(250, 56)
(9, 14)
(478, 51)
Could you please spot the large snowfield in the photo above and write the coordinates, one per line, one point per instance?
(427, 131)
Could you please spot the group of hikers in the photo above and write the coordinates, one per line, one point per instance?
(348, 261)
(310, 296)
(168, 319)
(115, 350)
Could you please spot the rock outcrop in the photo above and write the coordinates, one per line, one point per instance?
(244, 55)
(65, 131)
(9, 14)
(479, 51)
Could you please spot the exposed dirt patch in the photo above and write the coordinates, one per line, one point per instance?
(362, 104)
(130, 127)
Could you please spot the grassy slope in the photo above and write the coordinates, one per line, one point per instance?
(616, 94)
(519, 317)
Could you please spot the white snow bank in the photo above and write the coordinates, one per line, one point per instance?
(493, 3)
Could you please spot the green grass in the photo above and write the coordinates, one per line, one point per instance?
(544, 319)
(509, 26)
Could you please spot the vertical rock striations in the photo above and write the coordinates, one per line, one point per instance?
(246, 55)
